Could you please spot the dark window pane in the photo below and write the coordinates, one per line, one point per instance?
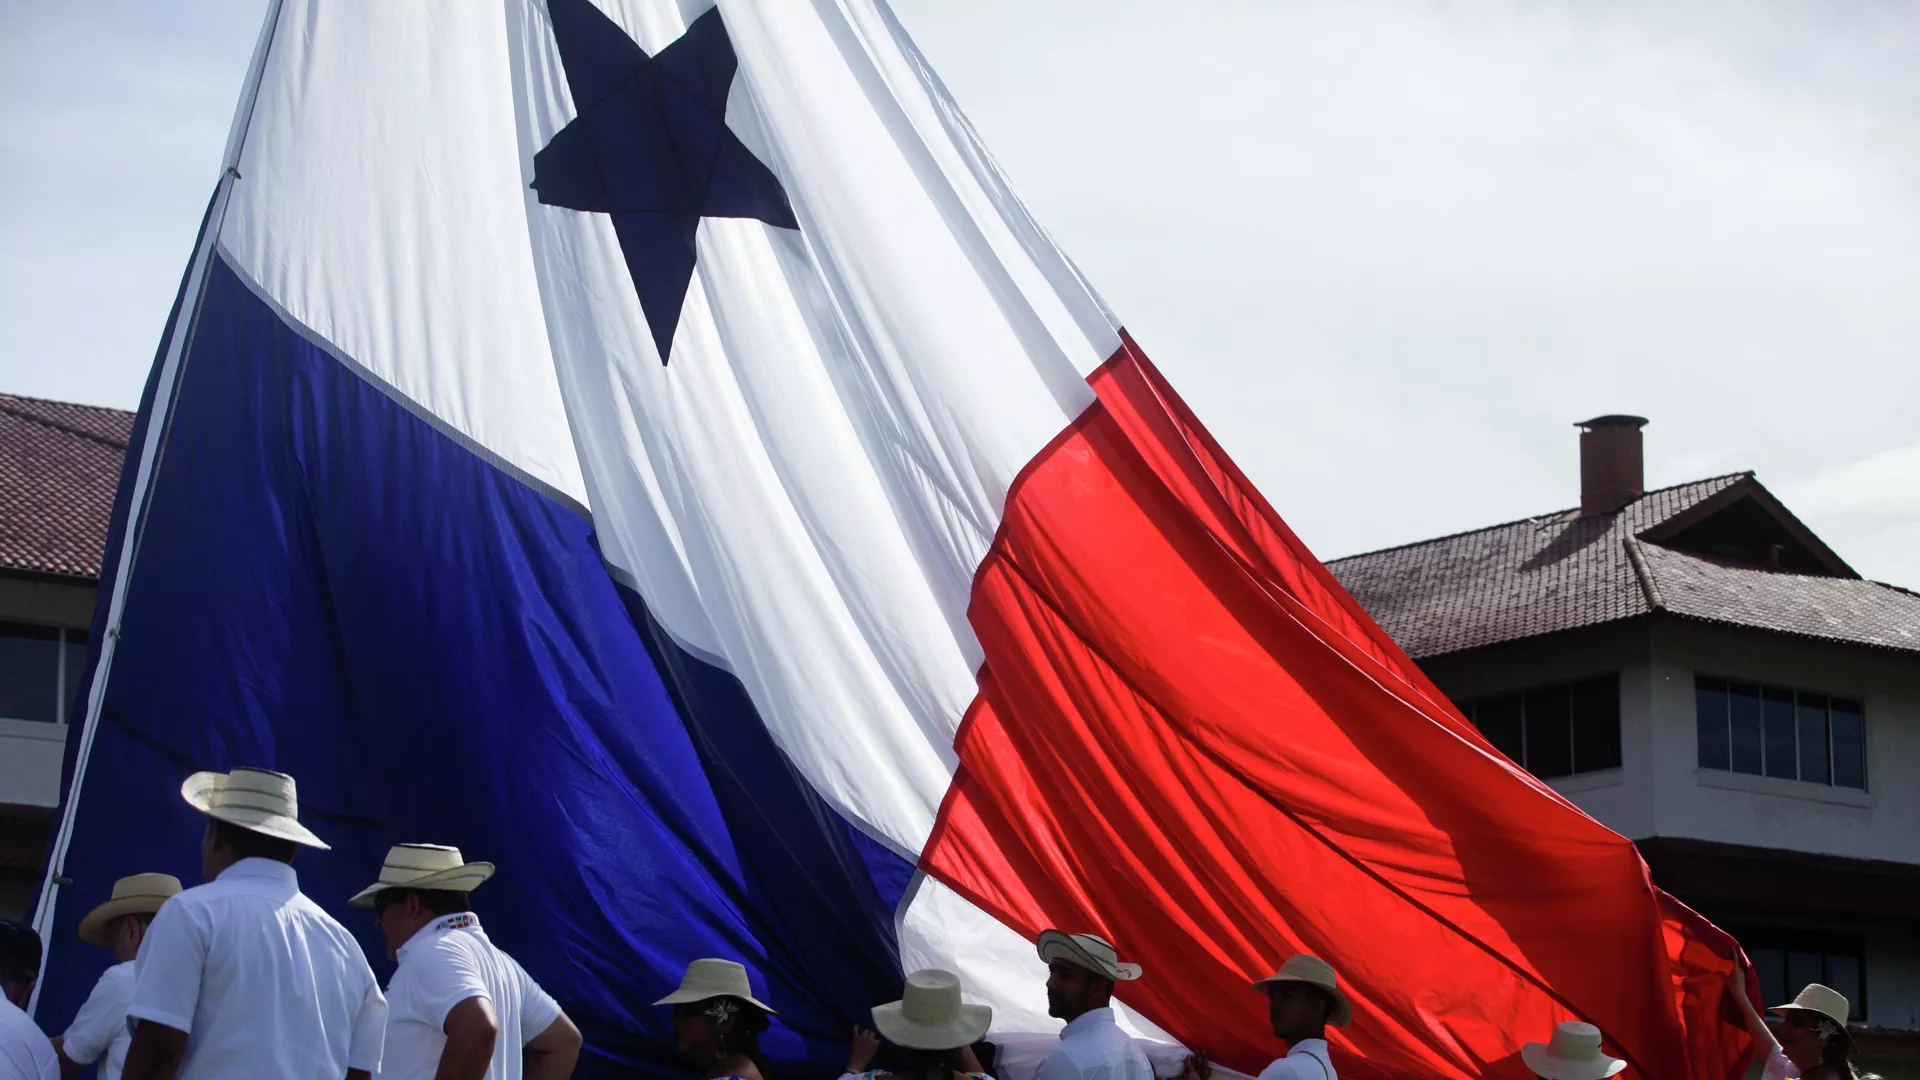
(1770, 965)
(1803, 968)
(1710, 707)
(1849, 746)
(1596, 724)
(76, 649)
(1499, 720)
(29, 672)
(1843, 974)
(1549, 733)
(1813, 739)
(1777, 720)
(1743, 713)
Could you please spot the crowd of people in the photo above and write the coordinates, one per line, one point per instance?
(245, 977)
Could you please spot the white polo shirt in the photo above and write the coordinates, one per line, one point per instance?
(266, 985)
(100, 1027)
(1305, 1060)
(448, 961)
(1093, 1047)
(25, 1051)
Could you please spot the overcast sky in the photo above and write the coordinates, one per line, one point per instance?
(1389, 252)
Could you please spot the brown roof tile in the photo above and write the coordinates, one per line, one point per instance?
(1561, 571)
(59, 466)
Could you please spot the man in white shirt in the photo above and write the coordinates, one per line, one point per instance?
(1303, 999)
(1081, 971)
(99, 1030)
(244, 978)
(25, 1051)
(458, 1007)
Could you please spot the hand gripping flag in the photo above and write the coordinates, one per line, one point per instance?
(647, 445)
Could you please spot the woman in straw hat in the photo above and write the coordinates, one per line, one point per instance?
(717, 1021)
(1813, 1043)
(934, 1027)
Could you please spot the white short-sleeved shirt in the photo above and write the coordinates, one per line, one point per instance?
(25, 1051)
(1305, 1060)
(444, 964)
(100, 1027)
(266, 985)
(1093, 1047)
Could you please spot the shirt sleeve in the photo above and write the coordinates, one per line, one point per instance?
(1056, 1066)
(167, 974)
(447, 977)
(101, 1018)
(1282, 1069)
(368, 1042)
(1778, 1067)
(538, 1010)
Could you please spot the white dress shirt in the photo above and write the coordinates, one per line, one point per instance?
(100, 1027)
(1305, 1060)
(1093, 1047)
(25, 1051)
(266, 985)
(448, 961)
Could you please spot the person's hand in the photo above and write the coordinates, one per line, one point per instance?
(1196, 1067)
(865, 1045)
(1737, 981)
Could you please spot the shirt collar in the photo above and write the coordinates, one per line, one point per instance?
(459, 920)
(1088, 1020)
(261, 870)
(1305, 1045)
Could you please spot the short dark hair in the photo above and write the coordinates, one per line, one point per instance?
(19, 954)
(252, 845)
(438, 901)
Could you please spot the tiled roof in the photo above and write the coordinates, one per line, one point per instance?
(1561, 571)
(59, 465)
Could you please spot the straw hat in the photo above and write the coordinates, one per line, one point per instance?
(1089, 951)
(140, 894)
(709, 979)
(258, 800)
(931, 1016)
(1315, 972)
(424, 866)
(1823, 1000)
(1573, 1054)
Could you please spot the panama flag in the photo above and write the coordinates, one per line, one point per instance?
(647, 445)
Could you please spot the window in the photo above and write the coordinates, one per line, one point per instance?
(1787, 734)
(40, 668)
(1554, 731)
(1787, 960)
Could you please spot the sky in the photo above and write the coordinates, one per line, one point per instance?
(1389, 252)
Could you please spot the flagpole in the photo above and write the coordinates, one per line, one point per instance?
(159, 421)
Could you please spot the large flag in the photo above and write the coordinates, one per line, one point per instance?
(649, 446)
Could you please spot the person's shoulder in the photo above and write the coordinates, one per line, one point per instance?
(121, 976)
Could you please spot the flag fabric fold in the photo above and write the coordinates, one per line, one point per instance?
(647, 445)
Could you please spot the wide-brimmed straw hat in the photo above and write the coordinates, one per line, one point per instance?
(1572, 1054)
(141, 894)
(1823, 1000)
(709, 979)
(931, 1016)
(258, 800)
(424, 866)
(1313, 971)
(1089, 951)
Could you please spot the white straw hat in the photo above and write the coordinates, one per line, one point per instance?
(1573, 1054)
(424, 866)
(1089, 951)
(709, 979)
(258, 800)
(1313, 971)
(931, 1016)
(1824, 1000)
(137, 895)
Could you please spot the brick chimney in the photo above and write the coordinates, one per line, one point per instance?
(1612, 463)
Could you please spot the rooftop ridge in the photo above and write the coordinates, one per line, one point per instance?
(1743, 474)
(7, 406)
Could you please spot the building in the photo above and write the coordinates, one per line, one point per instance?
(59, 465)
(1696, 669)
